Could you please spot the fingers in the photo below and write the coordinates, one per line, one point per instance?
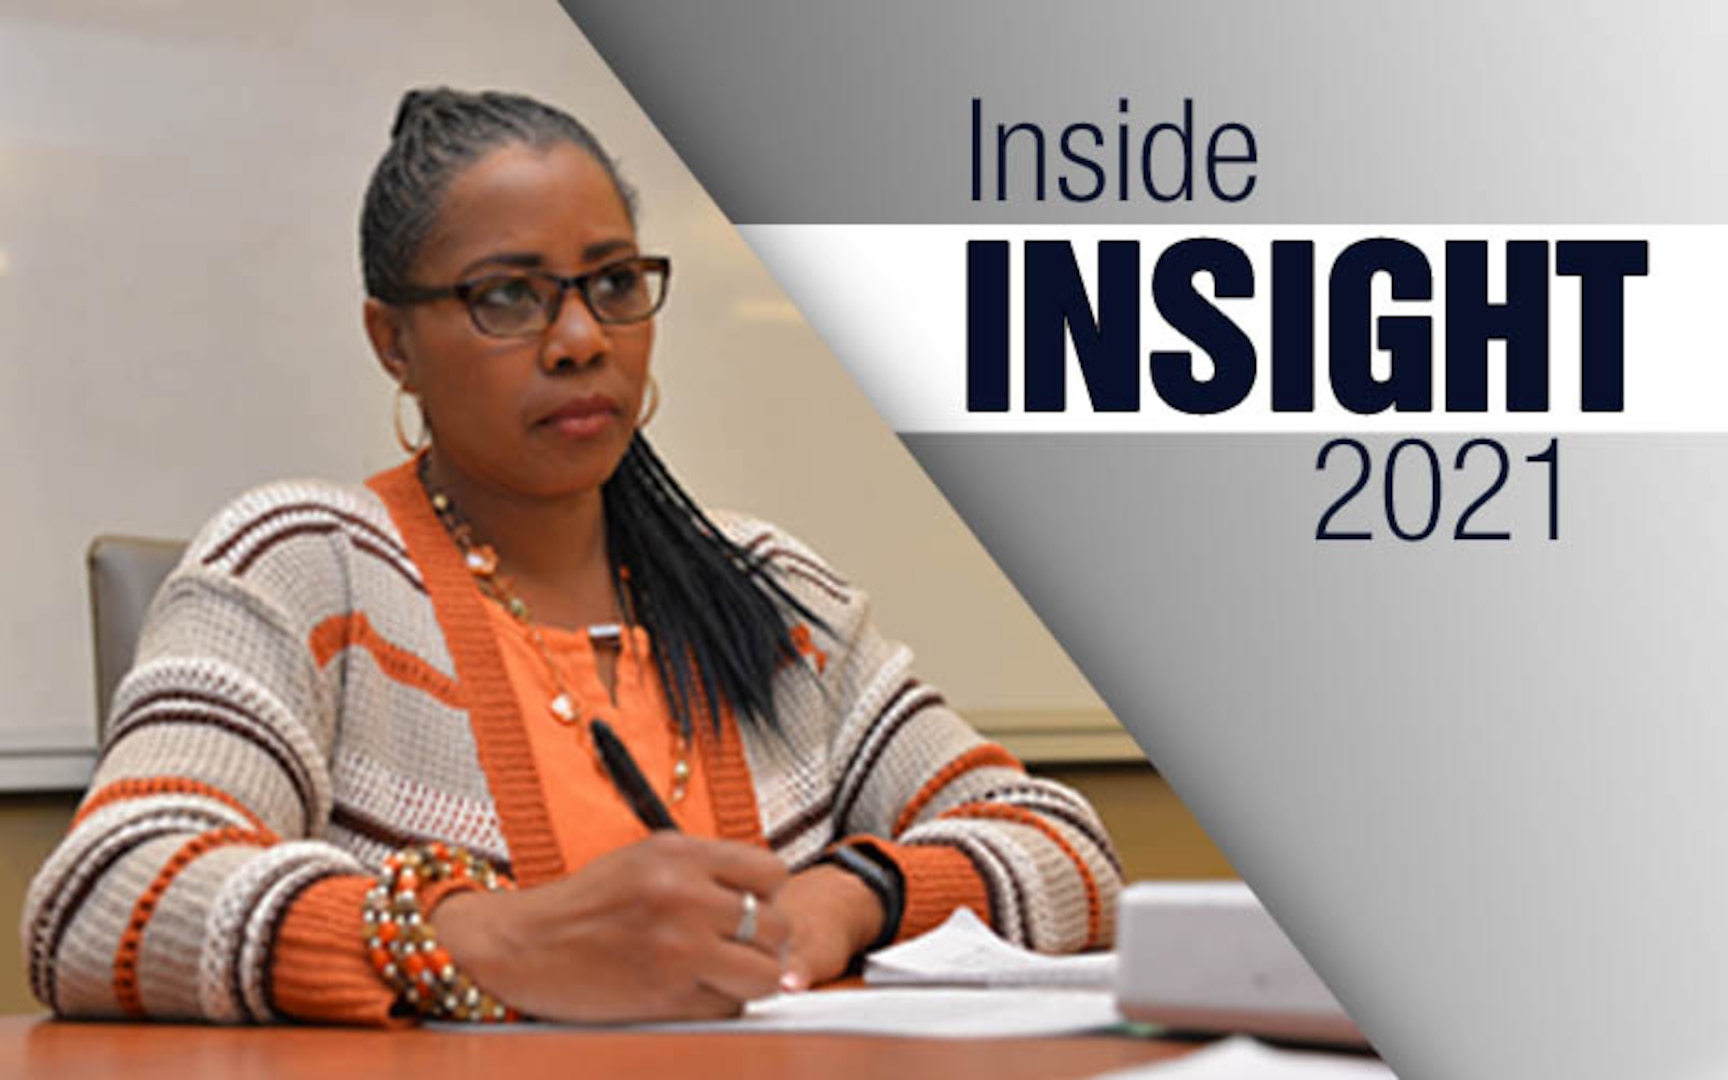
(772, 931)
(733, 870)
(682, 901)
(744, 867)
(703, 1003)
(796, 978)
(721, 910)
(741, 973)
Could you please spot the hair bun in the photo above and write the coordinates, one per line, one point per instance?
(412, 102)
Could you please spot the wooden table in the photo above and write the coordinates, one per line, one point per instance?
(36, 1046)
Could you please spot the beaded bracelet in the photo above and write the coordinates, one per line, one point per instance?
(402, 945)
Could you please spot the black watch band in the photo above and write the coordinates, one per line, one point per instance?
(882, 877)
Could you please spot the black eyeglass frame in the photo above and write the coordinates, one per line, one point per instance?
(579, 283)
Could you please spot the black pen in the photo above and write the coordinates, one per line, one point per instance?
(628, 779)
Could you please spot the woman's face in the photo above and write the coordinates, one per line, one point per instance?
(540, 416)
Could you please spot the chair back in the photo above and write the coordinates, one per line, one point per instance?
(125, 572)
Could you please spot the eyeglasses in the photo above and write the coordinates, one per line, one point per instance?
(522, 303)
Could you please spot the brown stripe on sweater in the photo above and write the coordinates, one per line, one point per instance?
(251, 525)
(812, 570)
(801, 561)
(918, 698)
(408, 571)
(986, 873)
(1009, 812)
(906, 687)
(300, 775)
(1005, 866)
(363, 824)
(56, 919)
(272, 928)
(367, 827)
(237, 976)
(281, 536)
(290, 764)
(801, 824)
(128, 955)
(1053, 806)
(189, 816)
(834, 594)
(361, 847)
(991, 871)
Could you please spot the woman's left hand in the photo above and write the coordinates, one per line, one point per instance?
(834, 916)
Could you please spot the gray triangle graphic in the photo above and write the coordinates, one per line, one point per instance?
(1478, 781)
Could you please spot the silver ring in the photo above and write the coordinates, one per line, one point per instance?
(746, 931)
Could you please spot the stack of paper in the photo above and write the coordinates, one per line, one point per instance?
(931, 1013)
(964, 951)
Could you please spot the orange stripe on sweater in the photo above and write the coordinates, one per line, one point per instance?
(1094, 908)
(144, 787)
(354, 630)
(978, 757)
(731, 791)
(126, 990)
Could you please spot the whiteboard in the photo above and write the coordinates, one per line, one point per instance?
(180, 183)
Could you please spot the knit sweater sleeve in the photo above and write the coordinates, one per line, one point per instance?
(956, 813)
(192, 884)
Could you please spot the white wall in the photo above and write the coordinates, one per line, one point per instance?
(179, 319)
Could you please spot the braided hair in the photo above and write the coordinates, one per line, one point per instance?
(718, 618)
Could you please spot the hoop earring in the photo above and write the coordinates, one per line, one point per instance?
(409, 446)
(651, 405)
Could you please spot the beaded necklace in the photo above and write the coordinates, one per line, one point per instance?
(482, 562)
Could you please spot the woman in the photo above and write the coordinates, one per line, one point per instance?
(357, 714)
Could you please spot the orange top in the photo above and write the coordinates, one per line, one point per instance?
(589, 816)
(320, 970)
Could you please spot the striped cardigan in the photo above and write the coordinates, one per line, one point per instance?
(318, 684)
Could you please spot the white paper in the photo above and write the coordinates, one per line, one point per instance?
(964, 951)
(927, 1013)
(1242, 1058)
(932, 1013)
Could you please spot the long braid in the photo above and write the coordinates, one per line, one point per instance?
(716, 614)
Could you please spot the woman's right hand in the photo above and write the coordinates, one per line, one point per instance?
(642, 933)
